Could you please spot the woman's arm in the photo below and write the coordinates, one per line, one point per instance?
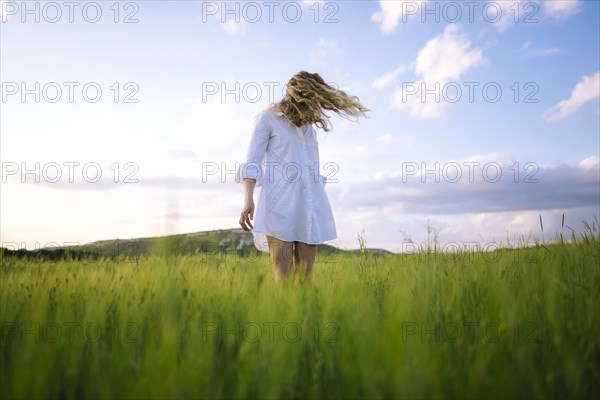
(248, 210)
(249, 184)
(250, 171)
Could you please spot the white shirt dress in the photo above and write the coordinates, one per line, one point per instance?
(293, 205)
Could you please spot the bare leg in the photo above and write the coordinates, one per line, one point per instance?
(281, 257)
(304, 255)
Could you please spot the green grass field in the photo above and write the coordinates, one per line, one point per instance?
(521, 323)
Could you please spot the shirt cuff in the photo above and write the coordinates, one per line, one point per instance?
(251, 170)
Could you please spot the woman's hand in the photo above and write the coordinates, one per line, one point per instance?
(247, 215)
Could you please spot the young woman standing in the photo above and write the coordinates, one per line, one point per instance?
(293, 214)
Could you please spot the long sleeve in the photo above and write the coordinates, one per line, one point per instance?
(252, 167)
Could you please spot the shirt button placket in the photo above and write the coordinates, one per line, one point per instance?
(308, 189)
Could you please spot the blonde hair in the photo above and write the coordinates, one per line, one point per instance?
(308, 95)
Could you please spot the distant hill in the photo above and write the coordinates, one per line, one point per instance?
(222, 241)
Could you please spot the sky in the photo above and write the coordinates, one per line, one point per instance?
(128, 119)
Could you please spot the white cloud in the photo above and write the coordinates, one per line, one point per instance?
(561, 9)
(550, 51)
(447, 56)
(480, 210)
(444, 58)
(584, 92)
(484, 186)
(392, 12)
(389, 78)
(590, 163)
(231, 20)
(311, 3)
(501, 14)
(527, 11)
(509, 12)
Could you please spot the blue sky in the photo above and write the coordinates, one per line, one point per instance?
(377, 50)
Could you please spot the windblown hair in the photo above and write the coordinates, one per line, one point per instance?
(307, 97)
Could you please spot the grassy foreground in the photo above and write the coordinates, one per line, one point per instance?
(521, 323)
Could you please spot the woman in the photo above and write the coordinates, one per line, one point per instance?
(293, 214)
